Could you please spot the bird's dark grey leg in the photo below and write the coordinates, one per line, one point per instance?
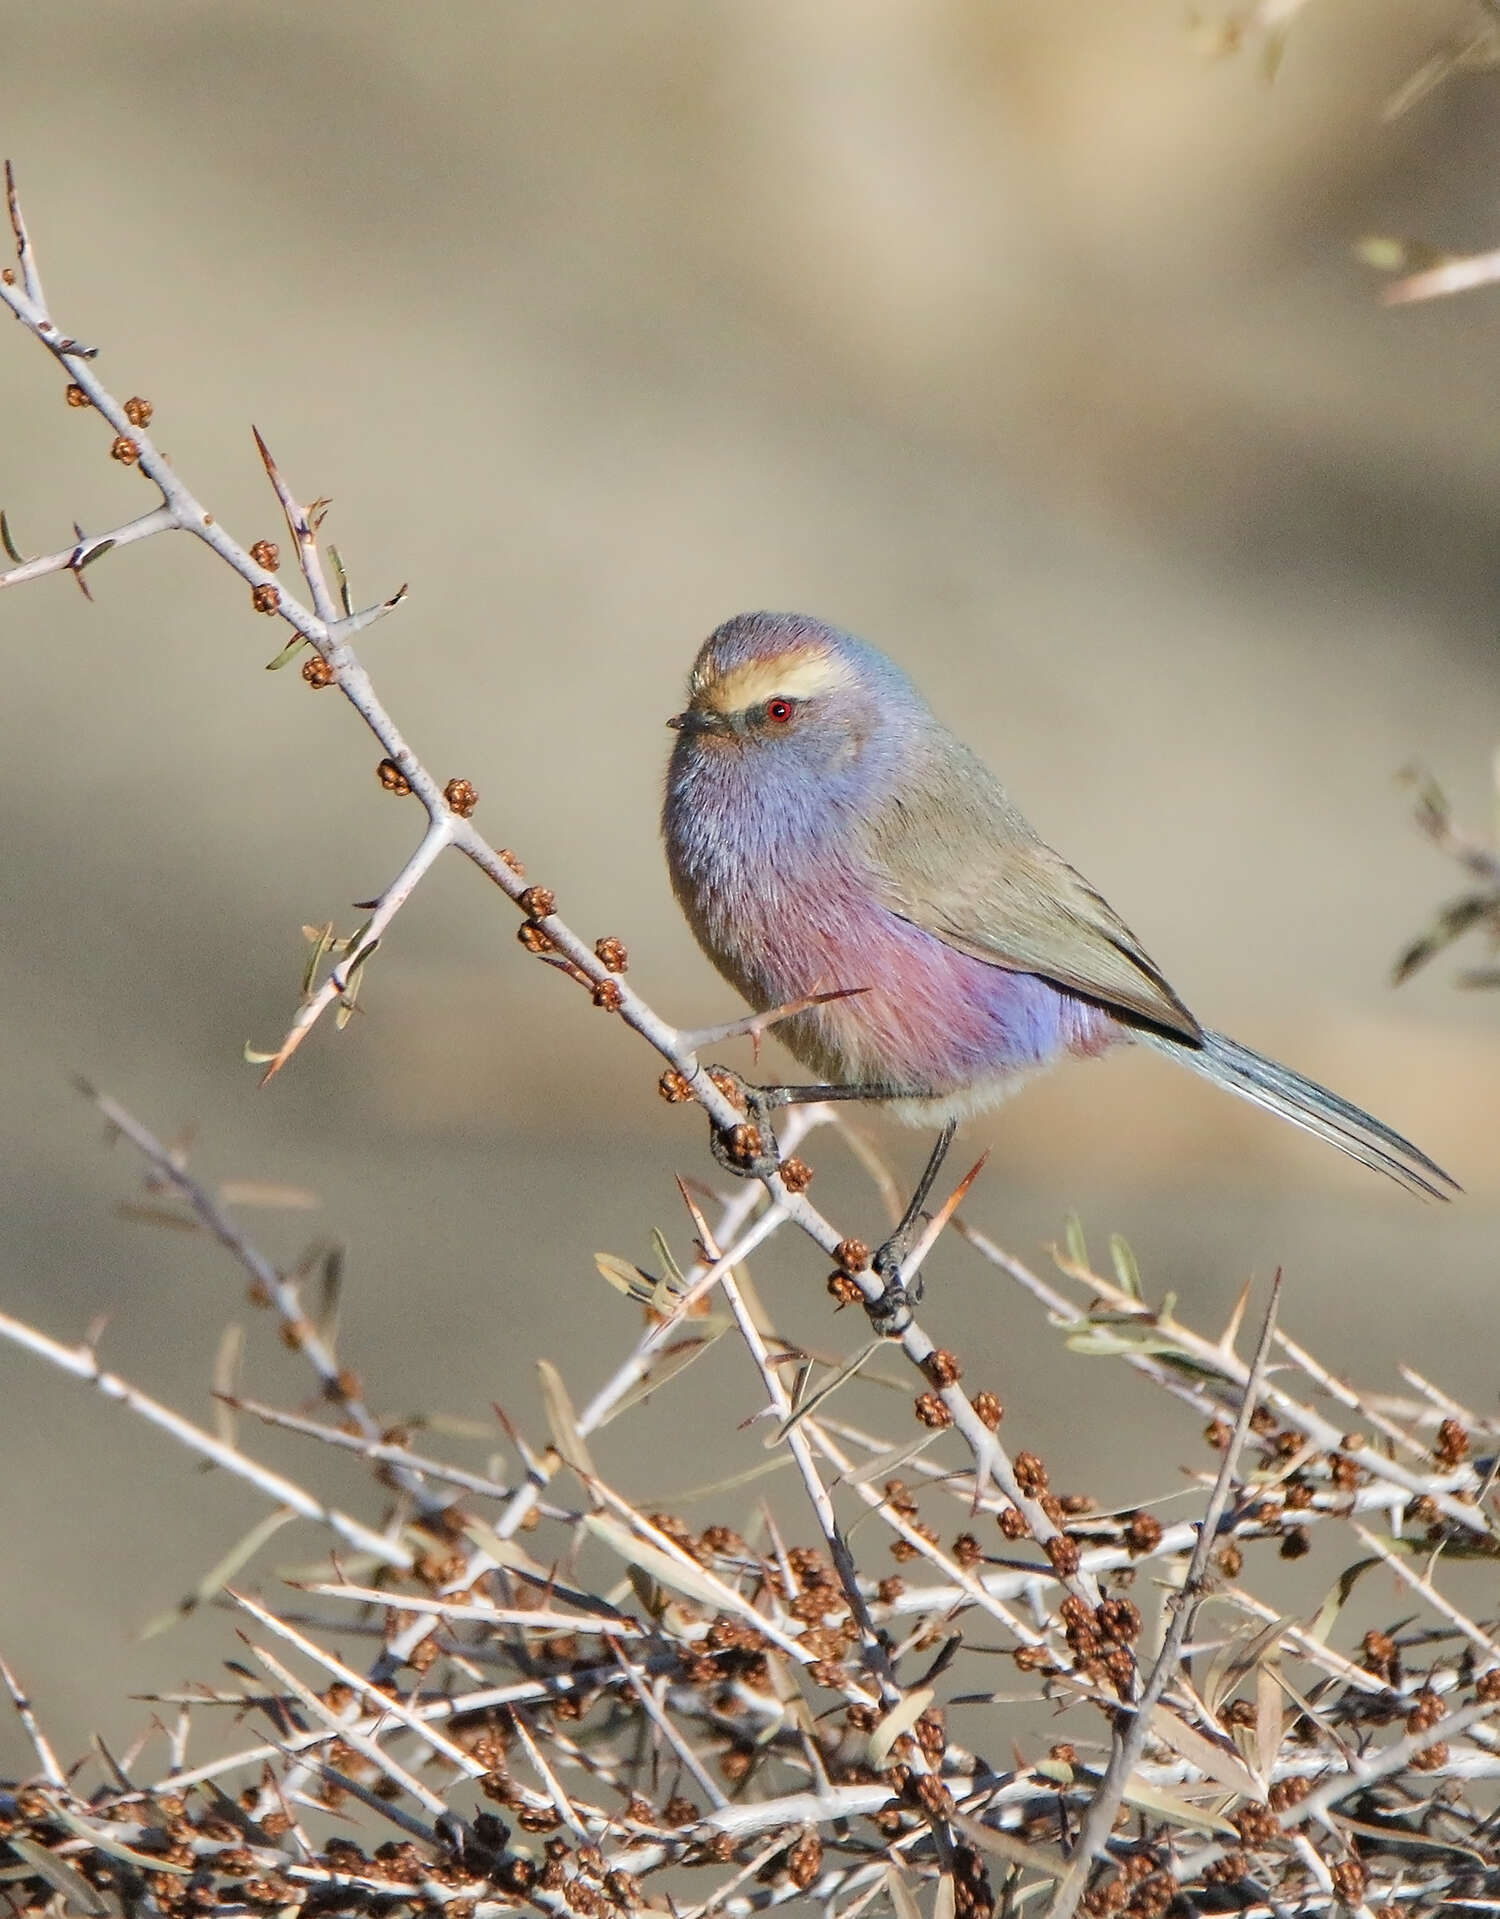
(891, 1313)
(759, 1158)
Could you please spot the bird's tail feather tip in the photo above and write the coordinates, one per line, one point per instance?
(1316, 1110)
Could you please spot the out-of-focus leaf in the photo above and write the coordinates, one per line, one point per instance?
(681, 1575)
(323, 942)
(60, 1875)
(901, 1718)
(1268, 1717)
(1074, 1242)
(713, 1488)
(341, 579)
(1387, 254)
(1166, 1805)
(822, 1392)
(672, 1360)
(1005, 1845)
(1451, 924)
(1221, 1763)
(266, 1192)
(627, 1278)
(289, 652)
(219, 1576)
(1126, 1270)
(226, 1379)
(1239, 1656)
(1106, 1342)
(1337, 1599)
(563, 1421)
(899, 1893)
(101, 1839)
(884, 1464)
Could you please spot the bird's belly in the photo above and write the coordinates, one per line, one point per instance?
(948, 1033)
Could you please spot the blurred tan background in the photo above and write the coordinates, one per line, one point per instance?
(1023, 339)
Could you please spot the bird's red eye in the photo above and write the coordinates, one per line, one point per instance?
(779, 710)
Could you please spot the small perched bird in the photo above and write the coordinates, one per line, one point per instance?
(826, 832)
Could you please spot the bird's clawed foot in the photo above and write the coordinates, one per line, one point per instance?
(891, 1314)
(747, 1149)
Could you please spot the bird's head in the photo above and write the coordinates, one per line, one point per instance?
(778, 690)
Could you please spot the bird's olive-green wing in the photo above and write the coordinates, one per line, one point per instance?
(955, 857)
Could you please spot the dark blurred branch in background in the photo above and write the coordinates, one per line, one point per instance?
(1475, 910)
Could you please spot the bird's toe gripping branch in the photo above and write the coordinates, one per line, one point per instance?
(747, 1148)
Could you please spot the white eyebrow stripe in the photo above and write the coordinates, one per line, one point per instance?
(796, 675)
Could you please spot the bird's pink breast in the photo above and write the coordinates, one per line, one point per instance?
(931, 1020)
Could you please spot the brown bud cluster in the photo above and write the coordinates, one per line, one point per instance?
(317, 672)
(265, 598)
(1229, 1870)
(1451, 1447)
(138, 411)
(1120, 1620)
(1230, 1560)
(266, 553)
(461, 798)
(75, 395)
(536, 941)
(1487, 1686)
(804, 1860)
(930, 1794)
(942, 1368)
(611, 954)
(1142, 1533)
(844, 1290)
(973, 1897)
(729, 1086)
(1064, 1555)
(388, 773)
(989, 1409)
(796, 1174)
(1031, 1474)
(124, 449)
(608, 997)
(1349, 1881)
(852, 1255)
(1012, 1522)
(538, 902)
(931, 1411)
(744, 1144)
(673, 1087)
(1378, 1654)
(1289, 1792)
(1256, 1824)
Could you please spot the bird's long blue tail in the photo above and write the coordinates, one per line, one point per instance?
(1312, 1107)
